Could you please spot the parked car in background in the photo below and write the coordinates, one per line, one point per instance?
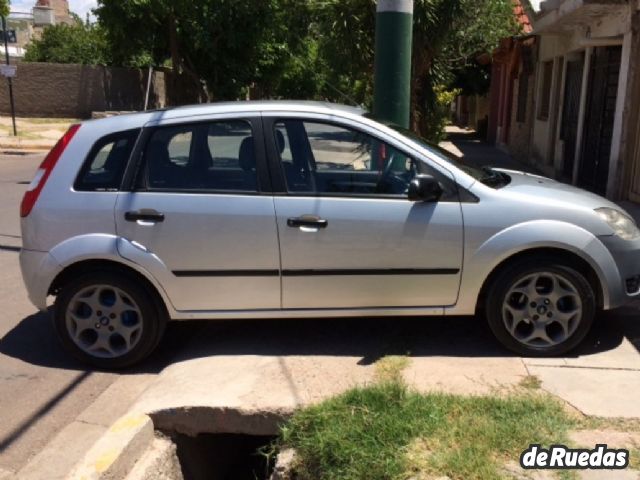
(301, 209)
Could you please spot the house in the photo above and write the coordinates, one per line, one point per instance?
(566, 96)
(52, 12)
(23, 27)
(20, 33)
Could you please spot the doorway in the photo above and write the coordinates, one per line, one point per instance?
(604, 74)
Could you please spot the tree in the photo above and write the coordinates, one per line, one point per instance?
(223, 46)
(4, 8)
(447, 35)
(77, 43)
(320, 49)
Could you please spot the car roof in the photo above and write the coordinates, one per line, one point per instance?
(142, 118)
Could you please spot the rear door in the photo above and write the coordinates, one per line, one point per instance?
(201, 207)
(349, 237)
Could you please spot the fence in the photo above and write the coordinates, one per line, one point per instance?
(75, 91)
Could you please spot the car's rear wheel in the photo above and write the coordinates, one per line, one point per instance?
(108, 319)
(540, 307)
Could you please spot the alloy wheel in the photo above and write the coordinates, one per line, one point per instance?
(542, 309)
(104, 321)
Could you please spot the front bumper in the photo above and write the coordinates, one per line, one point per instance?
(626, 254)
(39, 269)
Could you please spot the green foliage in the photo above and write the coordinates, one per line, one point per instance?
(447, 35)
(4, 8)
(438, 114)
(77, 43)
(386, 431)
(227, 46)
(311, 49)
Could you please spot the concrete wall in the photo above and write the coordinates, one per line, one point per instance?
(74, 91)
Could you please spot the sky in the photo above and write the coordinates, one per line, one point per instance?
(81, 7)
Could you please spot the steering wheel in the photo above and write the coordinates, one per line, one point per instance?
(388, 177)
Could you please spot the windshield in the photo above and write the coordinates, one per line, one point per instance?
(485, 175)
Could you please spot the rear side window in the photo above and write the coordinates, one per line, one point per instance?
(104, 167)
(217, 156)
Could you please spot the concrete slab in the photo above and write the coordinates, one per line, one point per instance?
(244, 394)
(73, 440)
(115, 401)
(6, 474)
(116, 452)
(464, 375)
(599, 392)
(623, 357)
(612, 438)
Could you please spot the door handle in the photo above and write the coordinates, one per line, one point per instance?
(309, 221)
(145, 215)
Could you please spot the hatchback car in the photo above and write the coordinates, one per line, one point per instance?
(300, 209)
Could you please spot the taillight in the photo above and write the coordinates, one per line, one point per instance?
(37, 184)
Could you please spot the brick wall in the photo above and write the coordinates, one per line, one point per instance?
(74, 91)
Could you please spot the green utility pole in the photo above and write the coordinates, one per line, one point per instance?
(392, 82)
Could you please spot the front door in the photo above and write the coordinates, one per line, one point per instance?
(349, 237)
(198, 219)
(600, 115)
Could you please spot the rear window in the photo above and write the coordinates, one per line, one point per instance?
(104, 167)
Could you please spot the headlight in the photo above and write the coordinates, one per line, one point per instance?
(620, 223)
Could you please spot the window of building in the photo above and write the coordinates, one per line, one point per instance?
(545, 91)
(105, 165)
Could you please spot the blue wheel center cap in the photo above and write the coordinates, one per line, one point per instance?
(104, 321)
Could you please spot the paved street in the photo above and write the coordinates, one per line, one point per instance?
(43, 393)
(41, 389)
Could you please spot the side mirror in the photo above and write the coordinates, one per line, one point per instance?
(424, 188)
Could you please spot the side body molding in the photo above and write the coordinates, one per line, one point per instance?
(482, 256)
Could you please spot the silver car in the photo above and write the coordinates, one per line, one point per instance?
(301, 209)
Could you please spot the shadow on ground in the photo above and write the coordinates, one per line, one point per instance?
(478, 153)
(33, 340)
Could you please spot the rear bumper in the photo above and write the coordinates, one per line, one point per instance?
(38, 272)
(626, 255)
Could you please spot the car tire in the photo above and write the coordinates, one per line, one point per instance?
(540, 307)
(108, 319)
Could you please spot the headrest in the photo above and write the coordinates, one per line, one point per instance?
(280, 143)
(247, 155)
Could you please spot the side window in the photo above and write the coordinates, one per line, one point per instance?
(105, 165)
(217, 156)
(331, 159)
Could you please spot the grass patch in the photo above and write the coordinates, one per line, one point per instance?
(530, 382)
(634, 458)
(386, 431)
(389, 369)
(605, 423)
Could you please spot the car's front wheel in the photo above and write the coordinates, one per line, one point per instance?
(540, 307)
(108, 319)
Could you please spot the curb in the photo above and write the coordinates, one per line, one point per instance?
(115, 453)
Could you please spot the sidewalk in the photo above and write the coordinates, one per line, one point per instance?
(478, 153)
(33, 133)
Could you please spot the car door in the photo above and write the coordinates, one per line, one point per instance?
(200, 216)
(349, 236)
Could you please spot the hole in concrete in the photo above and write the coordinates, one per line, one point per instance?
(223, 456)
